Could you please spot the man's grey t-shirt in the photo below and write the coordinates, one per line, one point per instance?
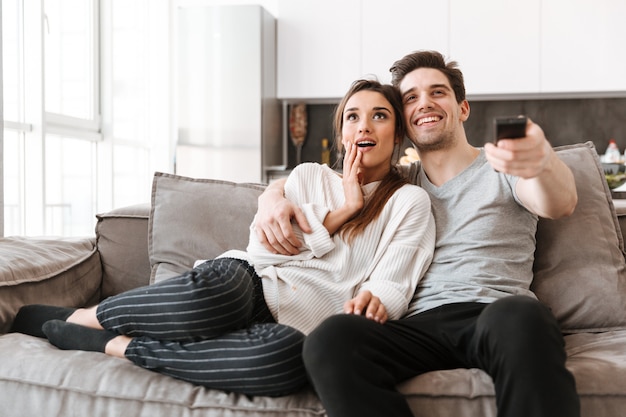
(485, 241)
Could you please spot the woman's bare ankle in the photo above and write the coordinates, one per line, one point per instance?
(117, 346)
(85, 317)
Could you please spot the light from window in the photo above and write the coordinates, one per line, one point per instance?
(70, 184)
(69, 58)
(11, 60)
(13, 157)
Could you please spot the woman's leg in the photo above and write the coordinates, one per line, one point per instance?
(85, 317)
(71, 336)
(216, 297)
(30, 318)
(265, 359)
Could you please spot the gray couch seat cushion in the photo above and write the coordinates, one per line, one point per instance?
(598, 362)
(49, 381)
(53, 382)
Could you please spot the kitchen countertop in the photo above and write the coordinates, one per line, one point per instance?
(620, 206)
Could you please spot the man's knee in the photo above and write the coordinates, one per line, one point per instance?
(517, 314)
(519, 329)
(330, 340)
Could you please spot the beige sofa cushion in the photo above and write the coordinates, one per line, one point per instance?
(53, 382)
(580, 272)
(195, 219)
(57, 271)
(63, 383)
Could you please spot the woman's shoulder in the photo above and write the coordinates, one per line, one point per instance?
(308, 167)
(313, 169)
(413, 195)
(312, 175)
(304, 171)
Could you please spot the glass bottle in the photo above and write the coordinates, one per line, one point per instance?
(325, 152)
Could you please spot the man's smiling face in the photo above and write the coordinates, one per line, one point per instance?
(431, 111)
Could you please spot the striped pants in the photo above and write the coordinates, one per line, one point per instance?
(210, 326)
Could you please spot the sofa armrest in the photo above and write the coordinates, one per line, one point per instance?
(56, 271)
(122, 240)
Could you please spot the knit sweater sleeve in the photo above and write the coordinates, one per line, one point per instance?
(408, 253)
(306, 186)
(319, 240)
(312, 190)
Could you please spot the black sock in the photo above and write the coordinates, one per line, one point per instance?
(71, 336)
(30, 318)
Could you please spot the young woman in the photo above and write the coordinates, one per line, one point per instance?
(238, 322)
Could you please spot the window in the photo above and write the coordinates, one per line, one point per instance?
(86, 110)
(13, 114)
(71, 62)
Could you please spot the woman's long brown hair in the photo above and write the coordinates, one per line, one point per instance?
(393, 180)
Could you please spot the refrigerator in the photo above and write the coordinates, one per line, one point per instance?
(228, 117)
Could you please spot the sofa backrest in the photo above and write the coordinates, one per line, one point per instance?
(579, 262)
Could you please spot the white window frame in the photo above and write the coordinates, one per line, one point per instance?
(112, 152)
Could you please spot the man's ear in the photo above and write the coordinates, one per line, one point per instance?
(465, 110)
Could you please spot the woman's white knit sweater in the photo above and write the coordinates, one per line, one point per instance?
(388, 258)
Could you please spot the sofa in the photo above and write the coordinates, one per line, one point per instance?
(580, 273)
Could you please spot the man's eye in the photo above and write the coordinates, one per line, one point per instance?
(409, 99)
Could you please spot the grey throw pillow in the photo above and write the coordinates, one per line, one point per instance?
(193, 219)
(580, 272)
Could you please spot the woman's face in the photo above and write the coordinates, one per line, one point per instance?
(369, 123)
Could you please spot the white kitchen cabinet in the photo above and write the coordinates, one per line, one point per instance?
(497, 45)
(393, 28)
(319, 47)
(583, 46)
(324, 45)
(505, 48)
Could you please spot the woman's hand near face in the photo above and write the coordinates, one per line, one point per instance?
(351, 189)
(351, 178)
(367, 304)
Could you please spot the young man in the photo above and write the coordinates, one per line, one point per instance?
(473, 308)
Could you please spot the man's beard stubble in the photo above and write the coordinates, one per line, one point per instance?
(433, 143)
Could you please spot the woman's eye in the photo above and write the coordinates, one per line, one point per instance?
(350, 117)
(380, 116)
